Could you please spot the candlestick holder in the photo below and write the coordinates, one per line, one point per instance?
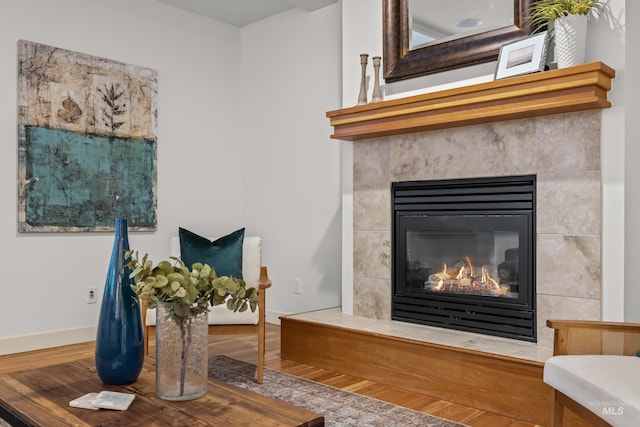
(362, 98)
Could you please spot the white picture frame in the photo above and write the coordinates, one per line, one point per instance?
(522, 57)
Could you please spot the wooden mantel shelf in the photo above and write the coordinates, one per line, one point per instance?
(583, 87)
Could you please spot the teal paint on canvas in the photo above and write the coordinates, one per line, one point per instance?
(83, 181)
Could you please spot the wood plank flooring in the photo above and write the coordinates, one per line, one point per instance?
(244, 348)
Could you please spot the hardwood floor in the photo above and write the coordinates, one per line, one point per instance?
(244, 348)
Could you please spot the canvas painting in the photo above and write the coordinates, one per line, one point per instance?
(87, 137)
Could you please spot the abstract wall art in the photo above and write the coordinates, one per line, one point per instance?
(87, 137)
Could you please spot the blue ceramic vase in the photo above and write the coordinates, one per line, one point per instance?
(119, 340)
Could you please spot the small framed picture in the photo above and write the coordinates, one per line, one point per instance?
(523, 56)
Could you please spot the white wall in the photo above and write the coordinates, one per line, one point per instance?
(632, 171)
(45, 276)
(606, 42)
(362, 29)
(290, 78)
(242, 141)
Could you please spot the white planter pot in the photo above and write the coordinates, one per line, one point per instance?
(570, 40)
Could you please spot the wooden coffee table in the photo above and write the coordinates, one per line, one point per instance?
(40, 397)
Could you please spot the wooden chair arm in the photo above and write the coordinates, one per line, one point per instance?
(143, 311)
(594, 324)
(264, 282)
(595, 337)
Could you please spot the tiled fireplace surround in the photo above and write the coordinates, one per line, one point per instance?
(562, 150)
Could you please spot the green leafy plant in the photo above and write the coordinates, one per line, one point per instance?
(543, 12)
(188, 291)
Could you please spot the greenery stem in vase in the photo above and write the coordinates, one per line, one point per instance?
(185, 335)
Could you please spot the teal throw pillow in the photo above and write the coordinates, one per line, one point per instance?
(223, 254)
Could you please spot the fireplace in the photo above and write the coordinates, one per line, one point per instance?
(463, 254)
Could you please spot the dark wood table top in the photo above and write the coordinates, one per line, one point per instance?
(40, 397)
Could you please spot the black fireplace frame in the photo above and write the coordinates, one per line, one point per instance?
(509, 197)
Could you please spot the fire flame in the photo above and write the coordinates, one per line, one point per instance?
(442, 276)
(471, 273)
(464, 280)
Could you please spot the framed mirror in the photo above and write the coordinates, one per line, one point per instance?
(429, 36)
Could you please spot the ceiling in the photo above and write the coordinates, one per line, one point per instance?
(244, 12)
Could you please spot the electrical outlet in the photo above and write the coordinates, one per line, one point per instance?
(297, 285)
(92, 296)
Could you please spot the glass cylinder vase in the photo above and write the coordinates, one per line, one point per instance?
(181, 355)
(119, 352)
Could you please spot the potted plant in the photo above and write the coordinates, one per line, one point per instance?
(569, 19)
(182, 298)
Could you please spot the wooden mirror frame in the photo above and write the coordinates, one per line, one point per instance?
(402, 63)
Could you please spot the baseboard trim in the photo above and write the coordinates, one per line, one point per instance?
(47, 339)
(273, 317)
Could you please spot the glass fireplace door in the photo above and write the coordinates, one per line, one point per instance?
(477, 256)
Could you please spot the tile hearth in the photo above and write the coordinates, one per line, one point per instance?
(447, 337)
